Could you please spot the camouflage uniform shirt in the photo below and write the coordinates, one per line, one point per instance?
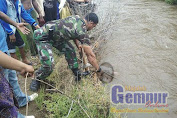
(70, 28)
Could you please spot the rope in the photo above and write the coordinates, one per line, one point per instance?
(26, 95)
(70, 109)
(83, 109)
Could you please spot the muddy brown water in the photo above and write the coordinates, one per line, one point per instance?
(141, 44)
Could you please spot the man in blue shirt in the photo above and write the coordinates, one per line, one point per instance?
(15, 10)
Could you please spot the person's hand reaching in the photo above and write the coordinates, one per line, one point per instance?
(22, 28)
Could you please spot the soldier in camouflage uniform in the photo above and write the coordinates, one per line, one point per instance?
(58, 33)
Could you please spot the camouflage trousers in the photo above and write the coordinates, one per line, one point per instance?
(46, 57)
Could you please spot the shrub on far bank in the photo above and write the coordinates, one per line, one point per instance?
(171, 1)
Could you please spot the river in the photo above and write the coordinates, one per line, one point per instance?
(141, 44)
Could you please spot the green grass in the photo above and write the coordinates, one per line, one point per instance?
(171, 1)
(92, 99)
(40, 99)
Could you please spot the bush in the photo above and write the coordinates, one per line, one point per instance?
(96, 105)
(171, 1)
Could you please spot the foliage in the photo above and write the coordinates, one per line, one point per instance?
(40, 99)
(171, 1)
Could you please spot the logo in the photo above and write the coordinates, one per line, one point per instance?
(138, 96)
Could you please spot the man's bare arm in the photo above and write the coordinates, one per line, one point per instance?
(11, 63)
(20, 26)
(7, 19)
(91, 56)
(77, 44)
(37, 8)
(39, 11)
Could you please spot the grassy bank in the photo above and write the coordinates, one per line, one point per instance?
(87, 95)
(171, 1)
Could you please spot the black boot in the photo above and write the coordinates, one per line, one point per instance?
(78, 74)
(34, 86)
